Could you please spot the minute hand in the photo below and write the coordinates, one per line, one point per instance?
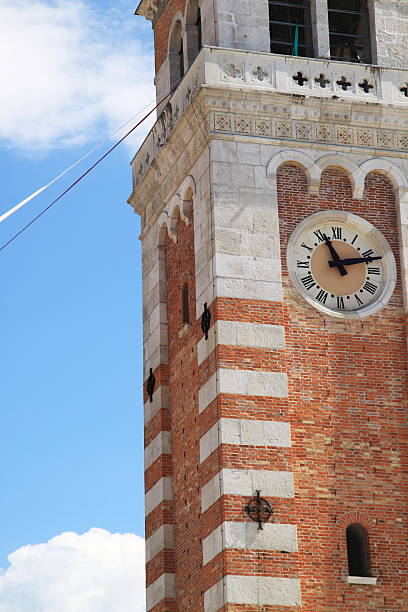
(351, 261)
(335, 256)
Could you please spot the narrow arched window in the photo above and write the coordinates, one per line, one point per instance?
(290, 27)
(357, 550)
(185, 298)
(193, 30)
(176, 55)
(349, 30)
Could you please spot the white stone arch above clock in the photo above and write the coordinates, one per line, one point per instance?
(299, 158)
(356, 175)
(391, 170)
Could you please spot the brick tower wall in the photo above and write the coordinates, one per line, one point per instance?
(347, 397)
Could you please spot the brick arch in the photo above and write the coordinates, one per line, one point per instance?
(355, 174)
(383, 166)
(299, 159)
(336, 184)
(361, 518)
(356, 516)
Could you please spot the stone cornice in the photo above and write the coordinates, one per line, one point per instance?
(230, 94)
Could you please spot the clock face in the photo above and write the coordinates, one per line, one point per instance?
(341, 264)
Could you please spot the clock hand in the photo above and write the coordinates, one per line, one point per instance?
(351, 261)
(335, 256)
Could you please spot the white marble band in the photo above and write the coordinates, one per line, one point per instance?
(245, 432)
(159, 492)
(247, 536)
(237, 333)
(242, 382)
(160, 445)
(245, 483)
(162, 588)
(253, 590)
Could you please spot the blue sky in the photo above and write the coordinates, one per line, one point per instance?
(71, 439)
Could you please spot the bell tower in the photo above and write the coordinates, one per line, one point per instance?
(273, 194)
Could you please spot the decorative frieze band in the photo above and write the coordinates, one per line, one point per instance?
(325, 133)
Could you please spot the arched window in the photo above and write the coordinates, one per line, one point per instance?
(193, 30)
(176, 55)
(349, 30)
(290, 27)
(357, 550)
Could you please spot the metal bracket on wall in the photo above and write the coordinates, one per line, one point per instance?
(206, 321)
(259, 509)
(151, 383)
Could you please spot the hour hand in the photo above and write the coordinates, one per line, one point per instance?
(335, 256)
(351, 261)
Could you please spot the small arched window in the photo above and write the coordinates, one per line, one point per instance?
(349, 31)
(193, 30)
(185, 298)
(176, 55)
(358, 550)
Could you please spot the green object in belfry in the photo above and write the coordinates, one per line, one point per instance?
(295, 50)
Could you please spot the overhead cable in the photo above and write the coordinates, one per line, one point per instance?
(17, 207)
(98, 161)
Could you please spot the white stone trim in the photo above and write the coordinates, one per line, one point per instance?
(162, 538)
(160, 400)
(247, 536)
(230, 481)
(367, 580)
(162, 588)
(243, 382)
(244, 432)
(354, 173)
(160, 445)
(159, 492)
(237, 333)
(299, 158)
(253, 590)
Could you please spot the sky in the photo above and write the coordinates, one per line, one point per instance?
(71, 435)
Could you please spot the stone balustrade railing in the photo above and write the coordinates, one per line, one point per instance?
(298, 76)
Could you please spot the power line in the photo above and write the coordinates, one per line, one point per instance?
(98, 161)
(36, 193)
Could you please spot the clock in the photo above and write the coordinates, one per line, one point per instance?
(341, 264)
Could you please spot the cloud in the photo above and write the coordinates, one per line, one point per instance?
(70, 71)
(95, 572)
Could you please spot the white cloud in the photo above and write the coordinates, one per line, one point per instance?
(94, 572)
(69, 71)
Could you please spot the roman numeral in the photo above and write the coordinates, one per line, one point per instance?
(337, 232)
(322, 296)
(321, 237)
(340, 303)
(303, 264)
(306, 247)
(358, 299)
(370, 288)
(354, 239)
(308, 281)
(368, 253)
(374, 271)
